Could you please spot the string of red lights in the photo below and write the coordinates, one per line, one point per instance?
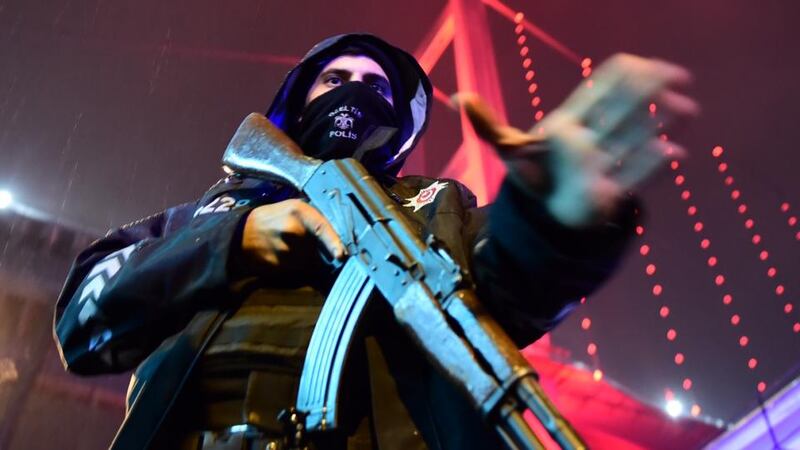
(664, 311)
(792, 222)
(756, 238)
(527, 66)
(693, 212)
(535, 103)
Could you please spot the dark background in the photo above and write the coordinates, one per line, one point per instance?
(113, 109)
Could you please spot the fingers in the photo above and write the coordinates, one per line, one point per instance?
(278, 235)
(677, 103)
(639, 165)
(640, 127)
(503, 137)
(317, 224)
(621, 86)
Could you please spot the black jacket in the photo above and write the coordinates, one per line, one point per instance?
(152, 295)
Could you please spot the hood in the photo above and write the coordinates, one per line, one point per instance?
(411, 87)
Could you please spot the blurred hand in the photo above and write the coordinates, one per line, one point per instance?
(600, 143)
(285, 235)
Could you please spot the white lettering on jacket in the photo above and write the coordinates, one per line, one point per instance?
(223, 203)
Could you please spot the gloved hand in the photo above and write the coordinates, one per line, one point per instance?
(284, 237)
(601, 142)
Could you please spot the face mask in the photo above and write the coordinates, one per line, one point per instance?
(352, 120)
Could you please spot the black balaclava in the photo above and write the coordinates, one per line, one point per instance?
(411, 92)
(351, 120)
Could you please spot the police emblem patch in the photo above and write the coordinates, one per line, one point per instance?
(425, 196)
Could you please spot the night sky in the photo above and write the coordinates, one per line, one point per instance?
(111, 110)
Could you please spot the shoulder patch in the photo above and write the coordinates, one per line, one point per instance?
(425, 196)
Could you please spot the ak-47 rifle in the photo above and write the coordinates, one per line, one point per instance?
(421, 282)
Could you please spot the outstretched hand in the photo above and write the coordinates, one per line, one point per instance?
(600, 143)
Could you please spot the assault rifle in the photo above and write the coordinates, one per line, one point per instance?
(421, 282)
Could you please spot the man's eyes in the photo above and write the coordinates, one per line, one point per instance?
(333, 80)
(336, 80)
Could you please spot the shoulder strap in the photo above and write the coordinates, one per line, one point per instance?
(158, 394)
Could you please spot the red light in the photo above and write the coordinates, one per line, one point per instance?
(698, 226)
(586, 323)
(586, 62)
(696, 410)
(685, 195)
(784, 207)
(756, 238)
(729, 180)
(518, 17)
(752, 363)
(664, 137)
(692, 210)
(538, 115)
(652, 109)
(771, 272)
(735, 319)
(763, 255)
(657, 289)
(712, 261)
(742, 208)
(529, 76)
(743, 341)
(527, 62)
(583, 300)
(535, 101)
(719, 280)
(787, 308)
(705, 243)
(518, 29)
(679, 180)
(761, 386)
(796, 327)
(727, 299)
(749, 223)
(586, 72)
(663, 312)
(792, 221)
(687, 384)
(797, 236)
(717, 151)
(591, 349)
(679, 358)
(524, 51)
(674, 165)
(521, 40)
(597, 375)
(668, 394)
(722, 167)
(735, 194)
(644, 250)
(671, 334)
(640, 230)
(779, 289)
(650, 269)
